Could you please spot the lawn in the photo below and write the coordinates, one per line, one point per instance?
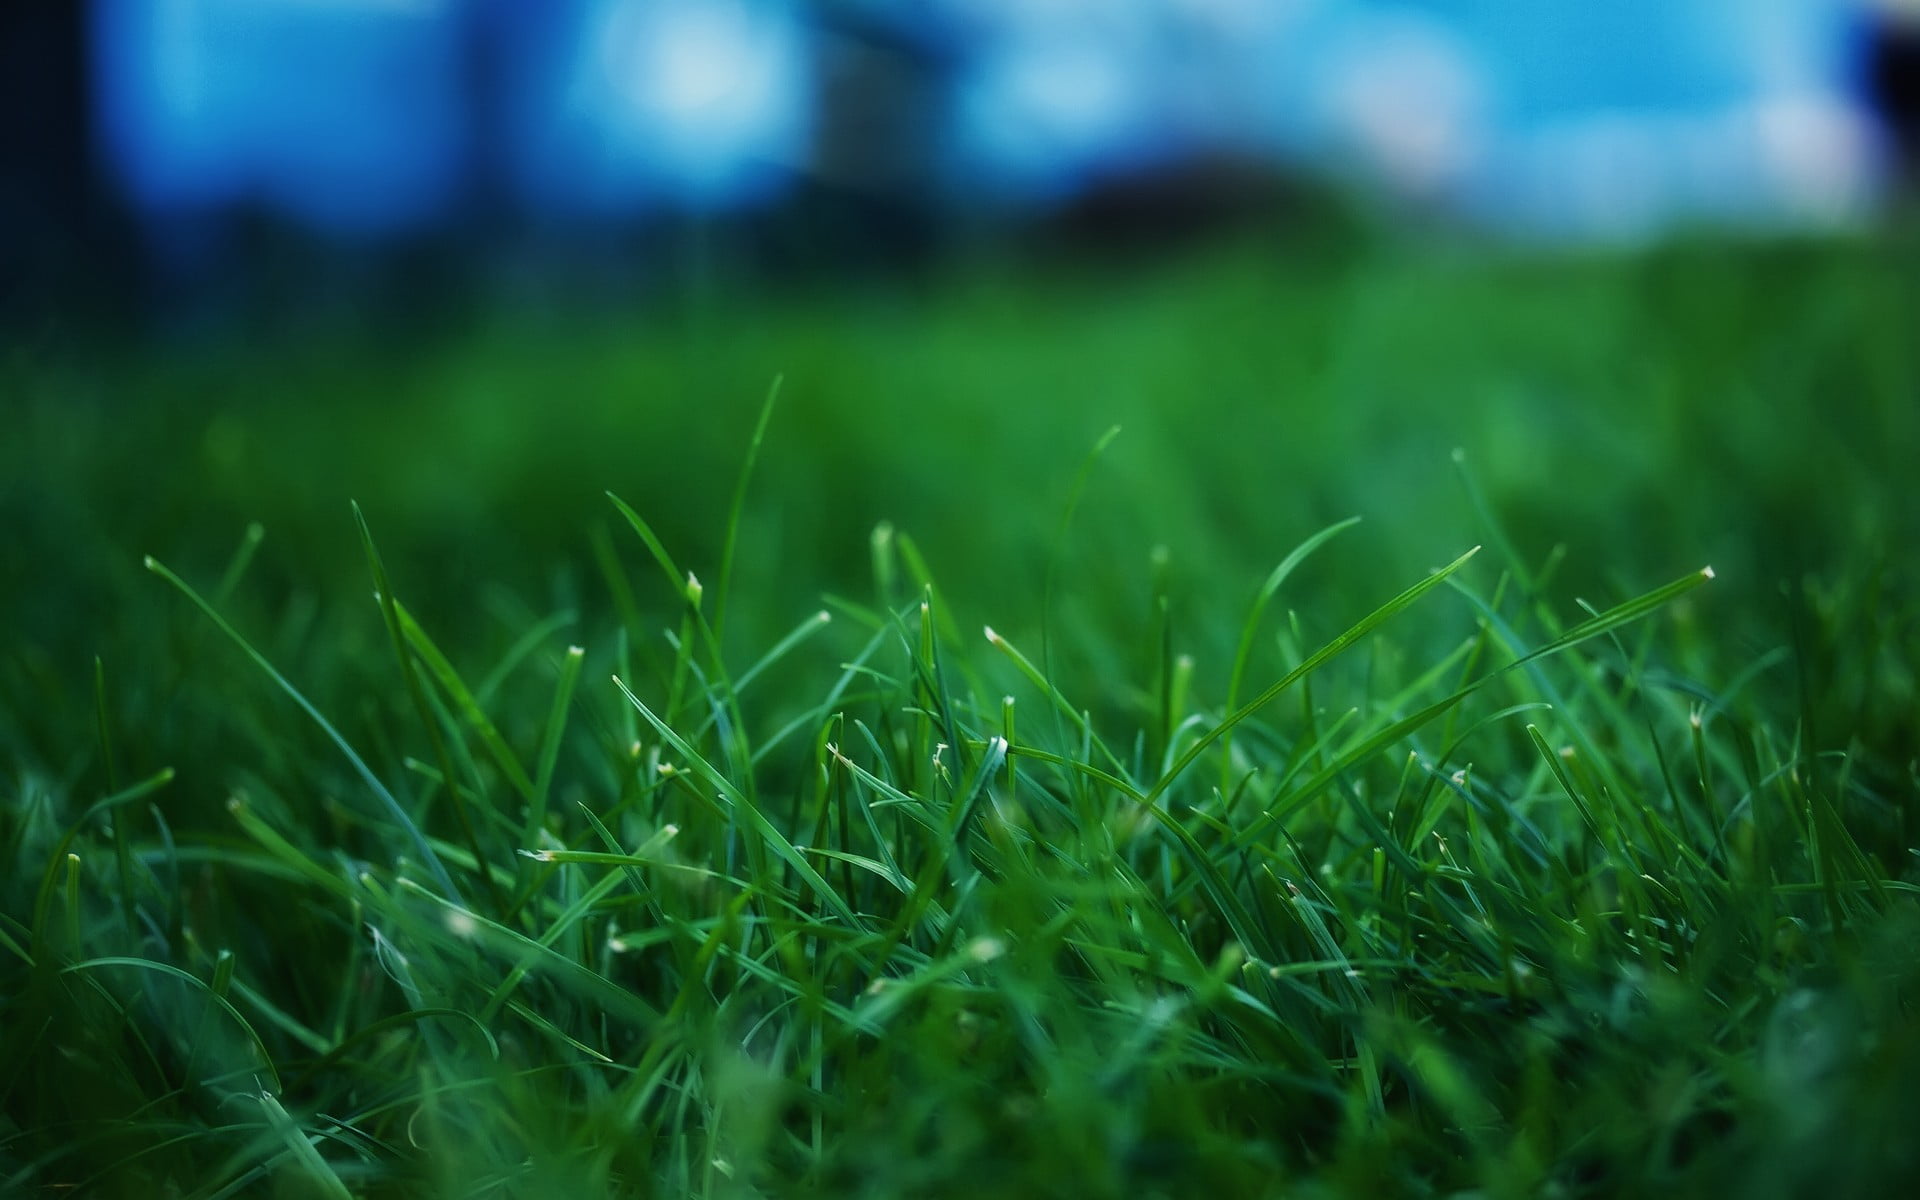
(785, 741)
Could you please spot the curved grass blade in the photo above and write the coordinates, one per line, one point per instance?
(397, 624)
(464, 701)
(738, 505)
(214, 997)
(676, 578)
(1313, 662)
(1062, 706)
(582, 980)
(772, 838)
(1250, 628)
(49, 881)
(393, 808)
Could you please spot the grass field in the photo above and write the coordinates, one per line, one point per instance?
(942, 794)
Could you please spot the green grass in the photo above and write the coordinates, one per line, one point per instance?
(903, 787)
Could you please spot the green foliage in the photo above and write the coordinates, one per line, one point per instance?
(1340, 877)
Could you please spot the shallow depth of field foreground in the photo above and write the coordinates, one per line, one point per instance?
(555, 759)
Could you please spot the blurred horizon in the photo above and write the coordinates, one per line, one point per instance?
(167, 156)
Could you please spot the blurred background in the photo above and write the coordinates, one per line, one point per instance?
(176, 160)
(1645, 265)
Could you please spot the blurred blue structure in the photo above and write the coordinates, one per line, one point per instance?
(1558, 118)
(358, 117)
(348, 116)
(375, 116)
(620, 106)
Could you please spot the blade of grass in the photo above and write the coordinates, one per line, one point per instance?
(464, 701)
(1059, 546)
(318, 1171)
(722, 590)
(397, 633)
(387, 800)
(214, 998)
(1345, 641)
(757, 821)
(550, 744)
(1251, 626)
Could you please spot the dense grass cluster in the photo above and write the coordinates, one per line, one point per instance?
(695, 838)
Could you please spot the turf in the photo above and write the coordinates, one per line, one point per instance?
(892, 782)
